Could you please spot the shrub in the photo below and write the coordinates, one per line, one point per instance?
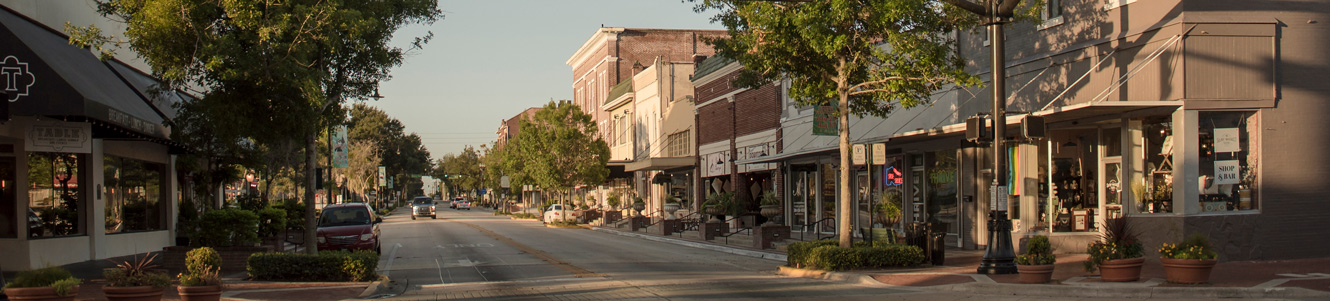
(797, 254)
(271, 221)
(202, 259)
(55, 277)
(835, 258)
(1038, 251)
(884, 255)
(1197, 246)
(325, 266)
(295, 214)
(229, 227)
(208, 277)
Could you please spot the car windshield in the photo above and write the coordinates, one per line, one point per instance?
(424, 201)
(344, 216)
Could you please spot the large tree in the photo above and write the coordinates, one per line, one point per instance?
(283, 67)
(860, 56)
(555, 150)
(403, 154)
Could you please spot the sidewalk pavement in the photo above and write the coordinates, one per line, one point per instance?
(1300, 278)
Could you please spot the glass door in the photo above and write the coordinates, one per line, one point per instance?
(828, 197)
(1112, 178)
(863, 199)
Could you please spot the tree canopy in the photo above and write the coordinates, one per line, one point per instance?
(862, 56)
(555, 150)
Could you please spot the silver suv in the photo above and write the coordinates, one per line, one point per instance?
(422, 206)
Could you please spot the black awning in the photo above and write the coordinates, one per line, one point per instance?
(48, 77)
(661, 178)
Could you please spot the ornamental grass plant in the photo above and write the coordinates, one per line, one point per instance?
(1119, 241)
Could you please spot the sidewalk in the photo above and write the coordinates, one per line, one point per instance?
(1301, 278)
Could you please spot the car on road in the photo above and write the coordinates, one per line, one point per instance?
(557, 212)
(349, 226)
(423, 206)
(464, 204)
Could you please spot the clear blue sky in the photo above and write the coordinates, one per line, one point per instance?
(491, 59)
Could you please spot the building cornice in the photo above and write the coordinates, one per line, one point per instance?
(731, 68)
(584, 53)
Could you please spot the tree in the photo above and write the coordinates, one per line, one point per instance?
(283, 67)
(863, 56)
(362, 169)
(461, 171)
(556, 149)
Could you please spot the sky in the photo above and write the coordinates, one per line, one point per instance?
(492, 59)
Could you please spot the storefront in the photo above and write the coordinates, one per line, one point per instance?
(86, 170)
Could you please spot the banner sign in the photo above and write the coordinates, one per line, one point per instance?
(383, 179)
(60, 137)
(825, 122)
(340, 157)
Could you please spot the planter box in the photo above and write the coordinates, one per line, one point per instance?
(234, 259)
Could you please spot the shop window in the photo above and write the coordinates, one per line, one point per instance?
(1154, 192)
(133, 194)
(9, 218)
(942, 208)
(1228, 161)
(53, 194)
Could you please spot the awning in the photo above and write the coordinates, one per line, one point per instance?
(785, 156)
(617, 169)
(48, 77)
(663, 163)
(661, 178)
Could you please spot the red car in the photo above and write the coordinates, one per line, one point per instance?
(351, 226)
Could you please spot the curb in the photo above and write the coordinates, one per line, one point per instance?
(374, 287)
(1081, 290)
(735, 251)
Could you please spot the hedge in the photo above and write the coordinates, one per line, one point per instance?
(325, 266)
(229, 227)
(828, 255)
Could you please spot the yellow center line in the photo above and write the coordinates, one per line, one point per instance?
(575, 270)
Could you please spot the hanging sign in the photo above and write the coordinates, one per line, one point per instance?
(340, 157)
(879, 154)
(1226, 140)
(383, 179)
(60, 137)
(825, 122)
(18, 79)
(1227, 172)
(858, 154)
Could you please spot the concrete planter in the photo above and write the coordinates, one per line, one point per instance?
(38, 293)
(200, 293)
(1121, 270)
(1035, 273)
(1188, 271)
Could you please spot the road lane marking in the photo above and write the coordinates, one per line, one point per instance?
(436, 263)
(388, 268)
(575, 270)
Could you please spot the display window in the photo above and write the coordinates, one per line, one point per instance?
(133, 193)
(1154, 191)
(54, 201)
(1229, 161)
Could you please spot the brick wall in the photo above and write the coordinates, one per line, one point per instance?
(714, 123)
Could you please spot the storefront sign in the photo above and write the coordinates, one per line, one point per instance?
(340, 157)
(893, 177)
(858, 154)
(879, 154)
(60, 137)
(1226, 140)
(1227, 172)
(17, 77)
(825, 122)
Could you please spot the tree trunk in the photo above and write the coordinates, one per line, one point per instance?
(846, 208)
(310, 241)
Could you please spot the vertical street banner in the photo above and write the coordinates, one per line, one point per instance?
(383, 179)
(825, 122)
(339, 151)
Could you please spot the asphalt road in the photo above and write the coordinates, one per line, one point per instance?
(476, 255)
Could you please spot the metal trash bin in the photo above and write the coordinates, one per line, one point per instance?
(918, 234)
(937, 248)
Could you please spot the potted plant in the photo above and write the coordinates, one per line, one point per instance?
(714, 208)
(1036, 265)
(201, 280)
(639, 205)
(1118, 255)
(671, 207)
(50, 283)
(1189, 262)
(770, 207)
(135, 280)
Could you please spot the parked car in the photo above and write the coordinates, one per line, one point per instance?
(464, 204)
(557, 212)
(423, 206)
(452, 204)
(350, 226)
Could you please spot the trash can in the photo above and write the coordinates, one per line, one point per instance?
(937, 247)
(918, 234)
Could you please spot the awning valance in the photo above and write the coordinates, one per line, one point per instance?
(662, 163)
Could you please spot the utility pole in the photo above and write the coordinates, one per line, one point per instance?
(998, 255)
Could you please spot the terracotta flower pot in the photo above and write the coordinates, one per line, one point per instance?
(1035, 273)
(38, 293)
(132, 293)
(1121, 270)
(1189, 271)
(200, 293)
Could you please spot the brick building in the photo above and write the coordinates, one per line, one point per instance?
(735, 123)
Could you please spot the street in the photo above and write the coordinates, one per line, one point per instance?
(474, 254)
